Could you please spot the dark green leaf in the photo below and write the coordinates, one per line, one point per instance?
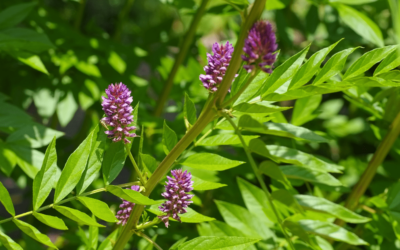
(98, 208)
(6, 200)
(23, 40)
(15, 14)
(34, 233)
(114, 160)
(272, 170)
(209, 161)
(169, 139)
(51, 221)
(149, 163)
(131, 195)
(220, 243)
(77, 216)
(8, 159)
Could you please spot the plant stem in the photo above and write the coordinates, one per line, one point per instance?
(65, 201)
(184, 47)
(135, 165)
(260, 180)
(375, 162)
(121, 19)
(78, 20)
(141, 234)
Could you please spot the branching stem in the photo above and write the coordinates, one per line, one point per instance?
(142, 180)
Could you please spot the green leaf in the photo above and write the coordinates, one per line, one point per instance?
(310, 68)
(93, 167)
(253, 88)
(210, 161)
(178, 243)
(6, 200)
(239, 81)
(34, 233)
(73, 169)
(274, 5)
(114, 160)
(218, 228)
(189, 110)
(15, 14)
(34, 136)
(190, 217)
(284, 73)
(360, 24)
(304, 109)
(77, 216)
(325, 206)
(29, 160)
(272, 170)
(200, 184)
(331, 231)
(393, 198)
(258, 109)
(32, 61)
(116, 62)
(240, 218)
(149, 163)
(98, 208)
(44, 180)
(353, 2)
(334, 66)
(368, 60)
(8, 159)
(220, 243)
(314, 176)
(9, 243)
(109, 242)
(131, 195)
(292, 131)
(390, 62)
(19, 40)
(225, 139)
(88, 69)
(169, 139)
(66, 109)
(51, 221)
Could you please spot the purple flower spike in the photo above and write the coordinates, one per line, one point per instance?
(176, 194)
(118, 110)
(259, 46)
(125, 209)
(217, 65)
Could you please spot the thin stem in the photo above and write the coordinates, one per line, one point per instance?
(260, 180)
(121, 19)
(141, 234)
(65, 201)
(78, 20)
(148, 224)
(184, 48)
(135, 165)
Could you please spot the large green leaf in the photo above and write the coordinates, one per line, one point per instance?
(325, 206)
(305, 174)
(225, 139)
(73, 169)
(9, 243)
(93, 167)
(258, 109)
(31, 60)
(34, 136)
(218, 243)
(98, 208)
(200, 184)
(6, 200)
(210, 161)
(190, 217)
(13, 15)
(331, 231)
(169, 139)
(45, 179)
(34, 233)
(114, 160)
(390, 62)
(131, 195)
(360, 24)
(51, 221)
(77, 216)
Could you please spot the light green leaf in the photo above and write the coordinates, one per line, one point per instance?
(116, 62)
(8, 159)
(6, 200)
(353, 2)
(51, 221)
(292, 131)
(360, 24)
(34, 136)
(200, 184)
(368, 60)
(334, 66)
(284, 73)
(95, 160)
(189, 111)
(331, 231)
(178, 243)
(253, 88)
(240, 218)
(34, 233)
(114, 160)
(13, 15)
(109, 242)
(210, 161)
(258, 109)
(190, 217)
(34, 62)
(218, 243)
(131, 195)
(304, 109)
(310, 68)
(305, 174)
(325, 206)
(29, 160)
(225, 139)
(98, 208)
(169, 139)
(77, 216)
(218, 228)
(66, 109)
(44, 180)
(9, 243)
(73, 169)
(274, 5)
(88, 69)
(390, 62)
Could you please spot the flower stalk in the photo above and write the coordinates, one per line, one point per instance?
(135, 166)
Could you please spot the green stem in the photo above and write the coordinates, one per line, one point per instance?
(121, 19)
(135, 165)
(65, 201)
(148, 224)
(375, 162)
(78, 20)
(184, 47)
(260, 180)
(141, 234)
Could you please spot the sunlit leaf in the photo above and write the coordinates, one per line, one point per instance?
(210, 161)
(131, 195)
(51, 221)
(34, 233)
(77, 216)
(6, 200)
